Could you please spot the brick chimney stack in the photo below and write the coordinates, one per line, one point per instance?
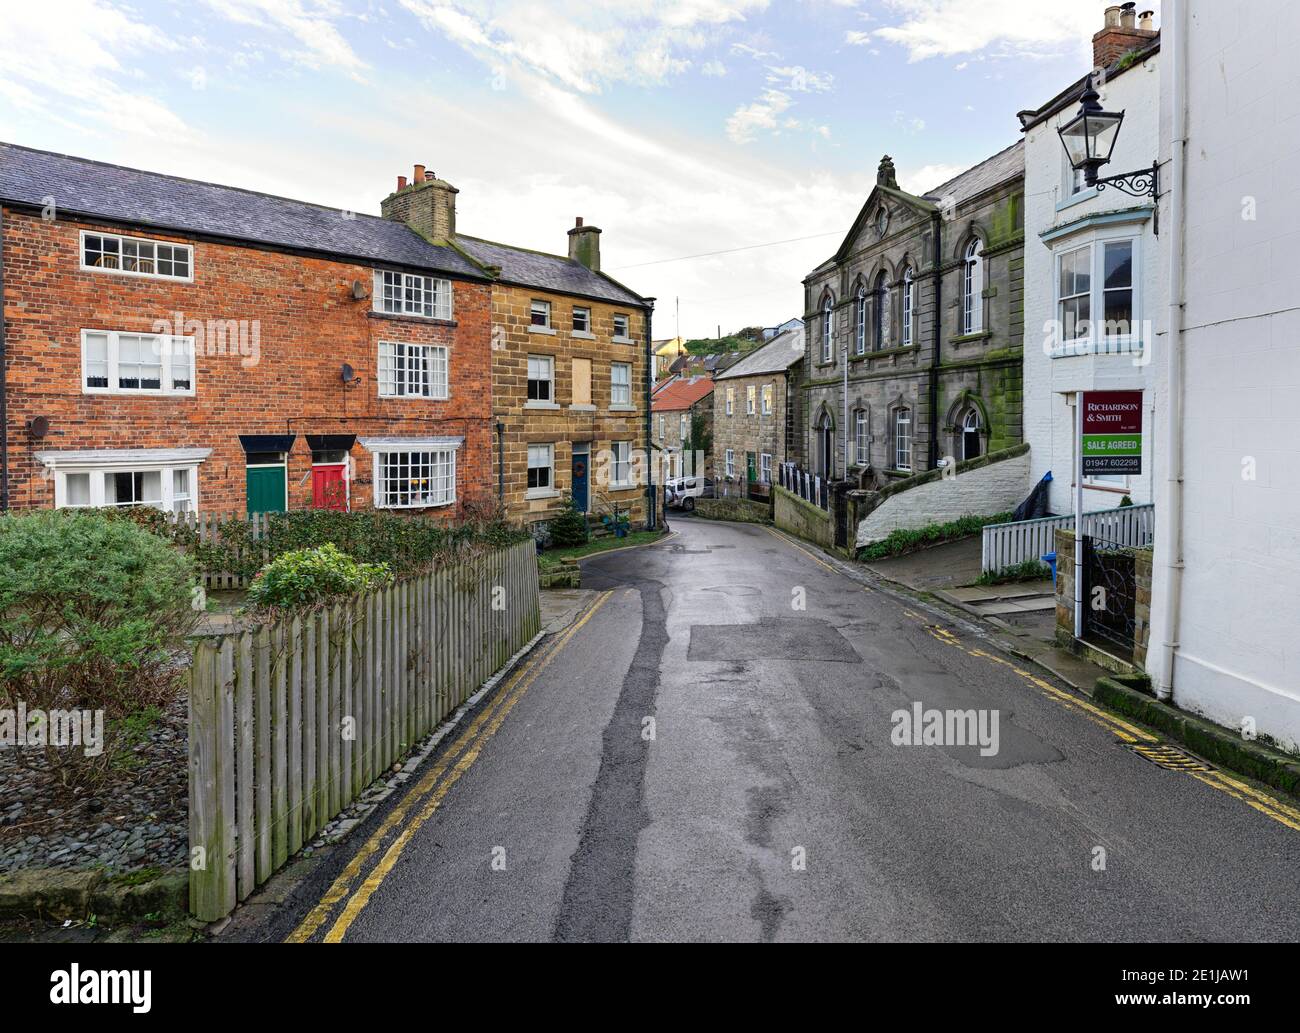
(427, 205)
(1121, 33)
(584, 245)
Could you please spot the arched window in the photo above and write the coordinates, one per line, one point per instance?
(828, 322)
(972, 289)
(880, 303)
(909, 305)
(860, 321)
(902, 438)
(971, 441)
(826, 446)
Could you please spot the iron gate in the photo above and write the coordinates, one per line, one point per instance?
(1109, 596)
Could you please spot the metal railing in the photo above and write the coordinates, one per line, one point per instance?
(807, 485)
(1005, 545)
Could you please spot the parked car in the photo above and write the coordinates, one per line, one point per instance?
(681, 492)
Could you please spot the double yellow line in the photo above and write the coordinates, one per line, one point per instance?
(1128, 733)
(428, 796)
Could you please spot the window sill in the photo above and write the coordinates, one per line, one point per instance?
(902, 349)
(978, 335)
(582, 408)
(419, 505)
(623, 340)
(407, 317)
(129, 392)
(414, 398)
(1079, 198)
(548, 330)
(1119, 346)
(541, 493)
(582, 335)
(627, 486)
(542, 406)
(622, 408)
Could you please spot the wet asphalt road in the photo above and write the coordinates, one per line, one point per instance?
(704, 760)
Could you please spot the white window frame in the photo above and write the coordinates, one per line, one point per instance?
(620, 390)
(430, 359)
(620, 454)
(166, 346)
(861, 437)
(540, 403)
(902, 456)
(663, 426)
(434, 447)
(98, 463)
(731, 401)
(581, 331)
(860, 321)
(122, 240)
(434, 295)
(766, 396)
(909, 305)
(538, 492)
(972, 288)
(1096, 242)
(731, 462)
(535, 306)
(828, 329)
(751, 397)
(683, 427)
(765, 467)
(625, 335)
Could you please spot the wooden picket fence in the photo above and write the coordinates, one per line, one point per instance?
(208, 527)
(291, 721)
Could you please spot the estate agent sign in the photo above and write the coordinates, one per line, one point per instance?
(1112, 432)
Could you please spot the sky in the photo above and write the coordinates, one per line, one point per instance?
(681, 128)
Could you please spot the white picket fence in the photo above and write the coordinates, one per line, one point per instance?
(1005, 545)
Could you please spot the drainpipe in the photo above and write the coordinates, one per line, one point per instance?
(1173, 593)
(501, 462)
(4, 382)
(937, 219)
(651, 497)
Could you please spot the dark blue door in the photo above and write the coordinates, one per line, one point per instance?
(581, 475)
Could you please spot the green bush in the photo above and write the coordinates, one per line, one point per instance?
(570, 527)
(408, 544)
(907, 540)
(308, 577)
(94, 612)
(1026, 570)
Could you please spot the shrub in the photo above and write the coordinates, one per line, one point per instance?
(907, 540)
(308, 577)
(570, 527)
(1025, 570)
(93, 612)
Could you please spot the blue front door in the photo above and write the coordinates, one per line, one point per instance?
(581, 475)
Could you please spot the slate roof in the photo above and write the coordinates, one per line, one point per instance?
(117, 194)
(1004, 165)
(681, 395)
(777, 356)
(548, 272)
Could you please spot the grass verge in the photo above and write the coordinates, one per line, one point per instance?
(550, 559)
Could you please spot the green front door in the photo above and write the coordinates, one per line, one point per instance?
(266, 489)
(751, 465)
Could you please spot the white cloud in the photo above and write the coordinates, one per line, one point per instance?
(799, 79)
(311, 23)
(927, 177)
(857, 38)
(942, 28)
(87, 68)
(758, 54)
(585, 46)
(762, 114)
(713, 69)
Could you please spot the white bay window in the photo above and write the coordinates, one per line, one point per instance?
(166, 479)
(413, 473)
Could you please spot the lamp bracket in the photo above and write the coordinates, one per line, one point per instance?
(1136, 184)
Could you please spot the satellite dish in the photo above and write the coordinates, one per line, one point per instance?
(348, 373)
(359, 290)
(38, 426)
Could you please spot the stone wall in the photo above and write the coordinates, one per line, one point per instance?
(1065, 596)
(982, 487)
(803, 519)
(743, 510)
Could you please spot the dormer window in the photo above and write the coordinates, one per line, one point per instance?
(136, 256)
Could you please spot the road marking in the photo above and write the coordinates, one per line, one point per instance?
(384, 867)
(341, 886)
(816, 559)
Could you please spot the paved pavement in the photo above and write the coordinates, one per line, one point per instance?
(699, 758)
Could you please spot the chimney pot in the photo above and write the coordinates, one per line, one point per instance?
(1127, 17)
(1145, 22)
(430, 176)
(1112, 16)
(579, 222)
(419, 174)
(401, 182)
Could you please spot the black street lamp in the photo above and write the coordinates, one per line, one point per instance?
(1089, 139)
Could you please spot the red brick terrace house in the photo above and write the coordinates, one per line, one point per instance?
(190, 346)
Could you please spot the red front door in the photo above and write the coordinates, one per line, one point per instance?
(329, 487)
